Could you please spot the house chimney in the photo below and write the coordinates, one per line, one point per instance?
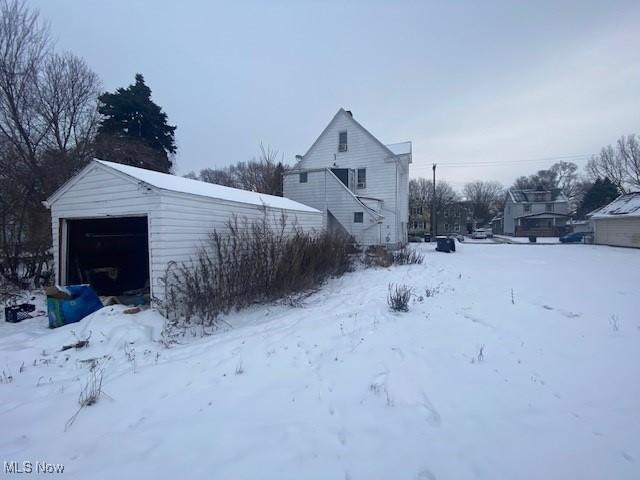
(298, 158)
(349, 113)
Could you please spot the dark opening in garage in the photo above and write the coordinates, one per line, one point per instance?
(110, 254)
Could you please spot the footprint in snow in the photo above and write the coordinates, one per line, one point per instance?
(565, 313)
(399, 352)
(433, 417)
(477, 320)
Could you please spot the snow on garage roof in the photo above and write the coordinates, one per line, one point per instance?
(400, 148)
(175, 183)
(627, 205)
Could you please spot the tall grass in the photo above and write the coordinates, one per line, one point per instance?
(251, 262)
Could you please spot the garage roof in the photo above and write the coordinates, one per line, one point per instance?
(174, 183)
(627, 205)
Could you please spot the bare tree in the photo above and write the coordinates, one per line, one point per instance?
(629, 151)
(47, 119)
(263, 174)
(608, 164)
(485, 198)
(68, 96)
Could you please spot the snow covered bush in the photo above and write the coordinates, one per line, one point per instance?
(398, 297)
(251, 263)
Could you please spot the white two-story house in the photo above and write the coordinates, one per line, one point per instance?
(360, 184)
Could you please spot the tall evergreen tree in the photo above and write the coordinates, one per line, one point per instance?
(600, 194)
(134, 129)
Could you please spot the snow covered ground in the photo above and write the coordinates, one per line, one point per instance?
(523, 364)
(543, 240)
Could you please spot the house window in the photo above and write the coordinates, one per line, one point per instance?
(358, 217)
(527, 207)
(362, 178)
(303, 177)
(342, 141)
(548, 207)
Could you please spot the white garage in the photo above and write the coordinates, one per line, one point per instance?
(618, 223)
(118, 227)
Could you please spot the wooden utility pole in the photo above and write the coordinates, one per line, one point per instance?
(434, 221)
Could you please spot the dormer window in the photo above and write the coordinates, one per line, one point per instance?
(527, 207)
(342, 141)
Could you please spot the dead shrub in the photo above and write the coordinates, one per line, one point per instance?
(380, 256)
(248, 263)
(398, 297)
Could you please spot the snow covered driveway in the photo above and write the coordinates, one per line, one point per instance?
(523, 364)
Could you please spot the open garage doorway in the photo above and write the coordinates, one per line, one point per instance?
(110, 254)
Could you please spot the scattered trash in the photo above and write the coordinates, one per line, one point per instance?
(132, 310)
(80, 302)
(18, 313)
(58, 292)
(78, 345)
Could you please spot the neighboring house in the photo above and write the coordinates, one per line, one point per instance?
(456, 218)
(360, 184)
(618, 223)
(543, 213)
(118, 227)
(497, 225)
(419, 219)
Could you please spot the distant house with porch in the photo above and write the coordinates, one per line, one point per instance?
(539, 212)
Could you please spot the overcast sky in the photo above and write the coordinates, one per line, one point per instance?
(467, 81)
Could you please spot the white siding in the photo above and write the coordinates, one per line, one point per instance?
(326, 193)
(100, 193)
(386, 179)
(622, 232)
(185, 222)
(178, 223)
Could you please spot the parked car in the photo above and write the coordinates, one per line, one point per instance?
(479, 234)
(577, 237)
(489, 232)
(416, 239)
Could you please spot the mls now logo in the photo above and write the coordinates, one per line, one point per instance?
(33, 467)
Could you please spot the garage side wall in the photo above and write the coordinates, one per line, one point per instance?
(622, 232)
(186, 221)
(100, 193)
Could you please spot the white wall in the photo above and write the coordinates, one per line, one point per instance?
(386, 180)
(324, 191)
(185, 223)
(178, 223)
(622, 232)
(99, 193)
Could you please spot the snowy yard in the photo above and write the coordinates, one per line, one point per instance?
(523, 364)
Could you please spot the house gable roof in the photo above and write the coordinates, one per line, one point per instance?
(393, 150)
(626, 205)
(174, 183)
(526, 195)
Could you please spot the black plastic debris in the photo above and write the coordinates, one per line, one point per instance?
(18, 313)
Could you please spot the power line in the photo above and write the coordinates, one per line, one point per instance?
(497, 163)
